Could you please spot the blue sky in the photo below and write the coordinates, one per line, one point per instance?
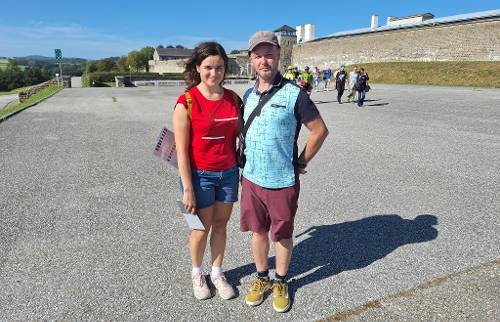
(97, 29)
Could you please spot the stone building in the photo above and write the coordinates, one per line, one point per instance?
(173, 60)
(468, 37)
(162, 54)
(169, 60)
(287, 37)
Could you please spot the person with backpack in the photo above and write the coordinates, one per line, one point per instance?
(306, 80)
(362, 86)
(275, 109)
(206, 122)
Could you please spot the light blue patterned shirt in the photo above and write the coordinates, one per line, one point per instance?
(271, 140)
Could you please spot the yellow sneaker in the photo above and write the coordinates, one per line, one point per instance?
(255, 295)
(281, 302)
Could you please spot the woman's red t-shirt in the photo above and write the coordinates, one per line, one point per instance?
(214, 127)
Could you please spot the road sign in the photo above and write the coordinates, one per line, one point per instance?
(58, 53)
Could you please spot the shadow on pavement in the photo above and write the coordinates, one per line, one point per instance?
(379, 104)
(331, 249)
(323, 102)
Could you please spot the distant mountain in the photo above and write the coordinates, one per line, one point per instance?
(36, 57)
(51, 59)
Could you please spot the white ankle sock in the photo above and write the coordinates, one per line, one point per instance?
(196, 270)
(216, 271)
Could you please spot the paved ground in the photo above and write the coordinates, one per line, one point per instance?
(6, 99)
(404, 195)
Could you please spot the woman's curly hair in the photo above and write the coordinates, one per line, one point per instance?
(202, 51)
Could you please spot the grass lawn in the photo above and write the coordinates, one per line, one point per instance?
(35, 99)
(473, 74)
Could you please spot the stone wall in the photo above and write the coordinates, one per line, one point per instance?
(237, 65)
(167, 66)
(30, 91)
(472, 41)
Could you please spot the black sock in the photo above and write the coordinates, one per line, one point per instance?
(280, 279)
(263, 275)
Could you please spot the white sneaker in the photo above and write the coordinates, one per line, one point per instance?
(225, 289)
(200, 287)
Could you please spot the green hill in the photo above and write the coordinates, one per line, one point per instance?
(473, 74)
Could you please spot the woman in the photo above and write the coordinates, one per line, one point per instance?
(361, 86)
(206, 124)
(317, 78)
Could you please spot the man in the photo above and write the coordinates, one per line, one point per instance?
(340, 78)
(307, 80)
(328, 76)
(270, 178)
(362, 86)
(353, 79)
(289, 74)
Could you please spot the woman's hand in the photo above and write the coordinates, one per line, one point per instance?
(189, 201)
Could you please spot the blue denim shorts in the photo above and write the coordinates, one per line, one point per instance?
(212, 186)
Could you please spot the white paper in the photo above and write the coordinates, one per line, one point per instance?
(192, 220)
(165, 147)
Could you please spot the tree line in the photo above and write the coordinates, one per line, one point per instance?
(13, 76)
(135, 61)
(25, 72)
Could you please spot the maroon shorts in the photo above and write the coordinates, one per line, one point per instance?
(263, 209)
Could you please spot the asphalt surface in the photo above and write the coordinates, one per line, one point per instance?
(405, 191)
(6, 99)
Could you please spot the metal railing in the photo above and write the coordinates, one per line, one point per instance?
(158, 83)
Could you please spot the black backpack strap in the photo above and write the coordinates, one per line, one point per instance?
(258, 109)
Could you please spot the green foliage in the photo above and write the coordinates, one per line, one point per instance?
(146, 54)
(461, 73)
(122, 64)
(134, 60)
(106, 65)
(13, 76)
(235, 51)
(70, 66)
(91, 67)
(35, 99)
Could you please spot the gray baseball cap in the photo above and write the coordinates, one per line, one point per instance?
(261, 37)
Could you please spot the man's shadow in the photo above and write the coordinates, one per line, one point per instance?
(328, 250)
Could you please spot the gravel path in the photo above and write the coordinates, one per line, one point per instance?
(405, 191)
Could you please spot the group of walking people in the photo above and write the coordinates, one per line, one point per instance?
(356, 81)
(209, 120)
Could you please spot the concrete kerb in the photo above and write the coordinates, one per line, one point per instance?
(5, 117)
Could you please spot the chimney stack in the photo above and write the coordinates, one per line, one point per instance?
(374, 24)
